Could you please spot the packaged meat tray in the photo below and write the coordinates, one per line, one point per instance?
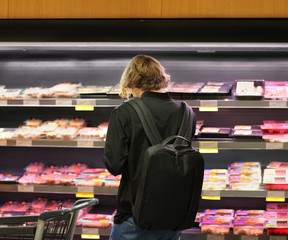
(245, 186)
(275, 165)
(9, 178)
(276, 172)
(255, 213)
(93, 91)
(247, 134)
(245, 171)
(65, 90)
(39, 204)
(215, 90)
(88, 181)
(91, 132)
(7, 134)
(10, 93)
(275, 128)
(277, 207)
(8, 207)
(277, 226)
(185, 90)
(219, 212)
(67, 179)
(213, 132)
(275, 137)
(248, 225)
(35, 167)
(27, 179)
(96, 220)
(244, 165)
(276, 90)
(216, 172)
(214, 185)
(110, 182)
(276, 215)
(216, 224)
(31, 92)
(22, 208)
(249, 89)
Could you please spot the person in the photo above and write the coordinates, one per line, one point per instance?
(126, 141)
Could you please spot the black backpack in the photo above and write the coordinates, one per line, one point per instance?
(171, 177)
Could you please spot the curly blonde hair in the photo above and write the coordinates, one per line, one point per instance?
(143, 72)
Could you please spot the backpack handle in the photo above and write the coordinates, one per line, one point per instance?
(169, 139)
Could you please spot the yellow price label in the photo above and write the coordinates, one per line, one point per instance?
(85, 195)
(208, 147)
(90, 236)
(275, 199)
(211, 194)
(84, 108)
(208, 109)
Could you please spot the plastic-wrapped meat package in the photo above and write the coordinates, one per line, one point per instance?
(276, 178)
(219, 212)
(65, 90)
(216, 224)
(67, 179)
(255, 213)
(215, 179)
(88, 181)
(27, 179)
(31, 92)
(90, 132)
(23, 132)
(23, 208)
(38, 205)
(9, 206)
(96, 220)
(53, 178)
(33, 122)
(45, 93)
(77, 123)
(77, 168)
(10, 93)
(52, 205)
(35, 167)
(248, 225)
(67, 133)
(39, 179)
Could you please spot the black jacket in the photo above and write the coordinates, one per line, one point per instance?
(126, 143)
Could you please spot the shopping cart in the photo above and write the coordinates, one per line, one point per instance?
(51, 225)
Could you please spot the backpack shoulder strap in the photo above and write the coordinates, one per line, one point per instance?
(186, 128)
(146, 120)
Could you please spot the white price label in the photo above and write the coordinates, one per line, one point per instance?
(215, 237)
(276, 194)
(208, 103)
(3, 102)
(211, 193)
(86, 102)
(278, 104)
(83, 189)
(92, 231)
(85, 144)
(274, 145)
(31, 102)
(3, 142)
(23, 142)
(25, 188)
(248, 237)
(63, 102)
(277, 238)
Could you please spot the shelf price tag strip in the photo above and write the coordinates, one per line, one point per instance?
(277, 238)
(274, 145)
(215, 237)
(90, 233)
(31, 102)
(23, 142)
(248, 237)
(3, 142)
(278, 104)
(211, 194)
(25, 188)
(208, 106)
(63, 102)
(275, 196)
(3, 102)
(85, 143)
(85, 192)
(208, 147)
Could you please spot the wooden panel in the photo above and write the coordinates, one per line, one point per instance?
(224, 8)
(84, 9)
(3, 9)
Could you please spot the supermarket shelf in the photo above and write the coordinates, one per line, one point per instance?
(85, 143)
(262, 193)
(205, 146)
(193, 233)
(113, 102)
(145, 46)
(57, 189)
